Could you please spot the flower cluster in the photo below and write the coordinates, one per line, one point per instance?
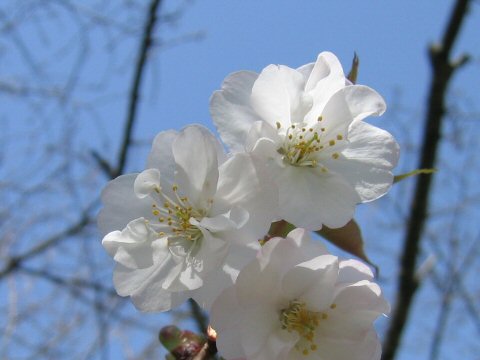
(192, 224)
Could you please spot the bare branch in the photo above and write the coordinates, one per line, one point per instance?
(442, 70)
(135, 90)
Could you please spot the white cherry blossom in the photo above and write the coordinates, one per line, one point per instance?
(296, 301)
(186, 225)
(306, 125)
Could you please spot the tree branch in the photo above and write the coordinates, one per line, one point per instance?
(14, 262)
(135, 90)
(442, 70)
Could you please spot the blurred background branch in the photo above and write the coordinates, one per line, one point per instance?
(442, 70)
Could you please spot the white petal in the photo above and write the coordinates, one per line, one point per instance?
(353, 270)
(326, 77)
(184, 276)
(216, 281)
(309, 198)
(258, 333)
(132, 247)
(325, 80)
(195, 153)
(115, 215)
(262, 130)
(313, 282)
(363, 101)
(306, 246)
(146, 182)
(225, 317)
(145, 288)
(231, 110)
(156, 299)
(208, 255)
(278, 346)
(259, 281)
(366, 349)
(161, 156)
(336, 116)
(306, 70)
(362, 296)
(277, 95)
(233, 220)
(130, 281)
(245, 184)
(367, 161)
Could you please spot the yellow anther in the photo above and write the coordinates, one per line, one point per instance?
(161, 233)
(279, 125)
(166, 205)
(339, 137)
(313, 347)
(175, 187)
(331, 142)
(290, 136)
(303, 129)
(324, 316)
(335, 156)
(322, 129)
(305, 352)
(156, 212)
(320, 118)
(161, 219)
(311, 130)
(153, 205)
(333, 306)
(293, 126)
(300, 137)
(324, 169)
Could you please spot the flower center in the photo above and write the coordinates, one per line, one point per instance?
(302, 145)
(305, 322)
(174, 216)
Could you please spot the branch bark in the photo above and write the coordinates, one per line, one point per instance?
(442, 70)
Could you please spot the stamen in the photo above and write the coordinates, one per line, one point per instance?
(298, 318)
